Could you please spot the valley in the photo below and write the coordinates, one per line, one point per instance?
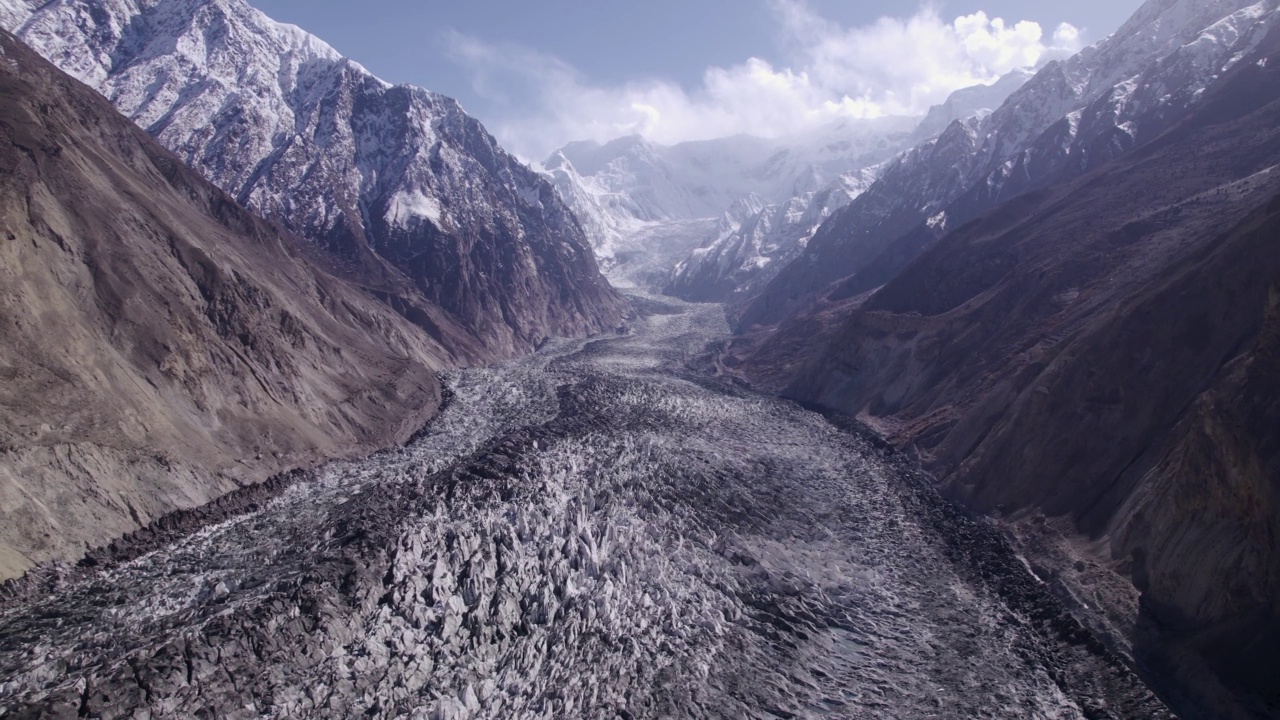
(599, 530)
(318, 401)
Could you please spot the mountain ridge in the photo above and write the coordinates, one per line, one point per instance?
(404, 191)
(922, 192)
(161, 345)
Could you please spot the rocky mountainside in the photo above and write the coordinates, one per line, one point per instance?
(1072, 116)
(401, 189)
(161, 346)
(1096, 363)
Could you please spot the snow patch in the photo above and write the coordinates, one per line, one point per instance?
(406, 205)
(1068, 296)
(530, 195)
(13, 13)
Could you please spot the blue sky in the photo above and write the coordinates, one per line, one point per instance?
(539, 74)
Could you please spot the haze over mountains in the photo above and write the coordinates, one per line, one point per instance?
(1056, 294)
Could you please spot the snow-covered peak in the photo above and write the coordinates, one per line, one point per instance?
(970, 101)
(1072, 115)
(1158, 28)
(630, 182)
(14, 12)
(203, 33)
(743, 208)
(592, 158)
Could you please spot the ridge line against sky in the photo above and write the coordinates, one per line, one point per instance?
(676, 71)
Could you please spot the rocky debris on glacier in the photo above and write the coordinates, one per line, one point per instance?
(592, 532)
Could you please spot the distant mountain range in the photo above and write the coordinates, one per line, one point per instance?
(622, 189)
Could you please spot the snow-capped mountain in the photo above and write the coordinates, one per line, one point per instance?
(967, 102)
(403, 189)
(1071, 116)
(753, 241)
(617, 187)
(741, 258)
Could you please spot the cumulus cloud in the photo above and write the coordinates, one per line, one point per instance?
(894, 66)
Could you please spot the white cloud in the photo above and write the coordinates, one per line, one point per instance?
(893, 66)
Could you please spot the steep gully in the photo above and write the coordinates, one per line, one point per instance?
(604, 529)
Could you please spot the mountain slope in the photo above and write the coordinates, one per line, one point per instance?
(160, 345)
(405, 192)
(1072, 116)
(1103, 352)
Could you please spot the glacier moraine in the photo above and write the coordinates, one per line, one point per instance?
(597, 531)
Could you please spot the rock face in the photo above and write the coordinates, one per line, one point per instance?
(1072, 116)
(1104, 351)
(402, 190)
(159, 345)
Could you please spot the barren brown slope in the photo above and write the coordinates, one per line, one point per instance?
(159, 345)
(1100, 352)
